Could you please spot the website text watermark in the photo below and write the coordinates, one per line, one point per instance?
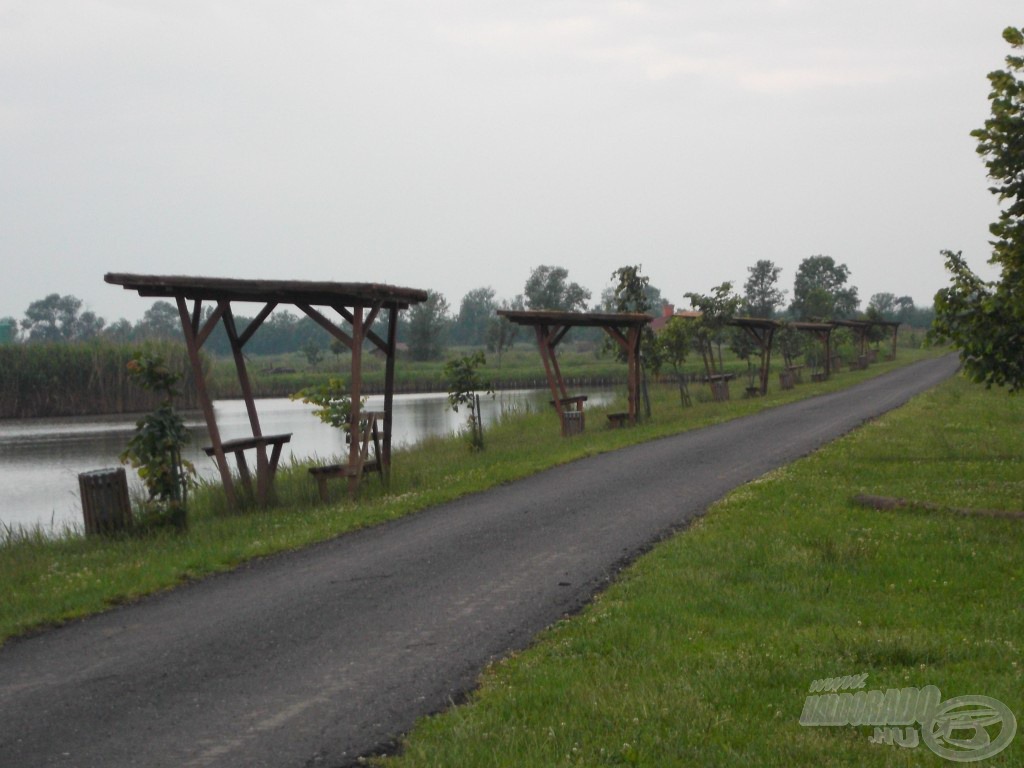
(962, 729)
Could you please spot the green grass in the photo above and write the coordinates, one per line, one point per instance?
(48, 581)
(703, 651)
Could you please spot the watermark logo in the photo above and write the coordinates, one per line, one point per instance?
(962, 729)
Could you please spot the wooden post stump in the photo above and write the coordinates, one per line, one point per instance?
(105, 504)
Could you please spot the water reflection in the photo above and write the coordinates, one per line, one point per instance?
(40, 459)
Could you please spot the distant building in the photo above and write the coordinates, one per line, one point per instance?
(668, 311)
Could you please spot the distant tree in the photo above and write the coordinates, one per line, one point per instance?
(791, 343)
(745, 348)
(876, 333)
(120, 331)
(476, 309)
(761, 294)
(905, 309)
(502, 332)
(548, 288)
(986, 319)
(717, 309)
(314, 353)
(279, 335)
(630, 294)
(429, 322)
(161, 321)
(642, 294)
(59, 318)
(820, 290)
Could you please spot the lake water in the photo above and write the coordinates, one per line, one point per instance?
(40, 459)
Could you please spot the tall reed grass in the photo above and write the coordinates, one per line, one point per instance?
(39, 380)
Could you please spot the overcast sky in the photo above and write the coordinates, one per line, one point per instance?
(452, 145)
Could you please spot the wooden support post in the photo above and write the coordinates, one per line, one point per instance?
(354, 456)
(389, 392)
(546, 356)
(262, 460)
(192, 345)
(633, 372)
(826, 337)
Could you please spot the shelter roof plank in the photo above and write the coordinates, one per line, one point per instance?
(319, 293)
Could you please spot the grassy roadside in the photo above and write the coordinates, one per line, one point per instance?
(702, 653)
(48, 581)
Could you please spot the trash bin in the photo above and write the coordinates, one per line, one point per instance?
(572, 423)
(105, 504)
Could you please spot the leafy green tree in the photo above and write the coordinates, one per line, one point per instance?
(744, 347)
(429, 322)
(59, 318)
(630, 292)
(717, 309)
(675, 341)
(820, 290)
(155, 449)
(475, 311)
(548, 288)
(761, 294)
(986, 319)
(464, 382)
(791, 343)
(333, 403)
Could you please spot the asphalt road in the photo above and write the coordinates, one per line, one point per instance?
(318, 656)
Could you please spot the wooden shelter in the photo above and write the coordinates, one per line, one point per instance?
(823, 333)
(359, 305)
(761, 331)
(550, 327)
(861, 329)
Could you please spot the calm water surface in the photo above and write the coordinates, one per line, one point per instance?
(40, 459)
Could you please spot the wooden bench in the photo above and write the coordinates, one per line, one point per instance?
(618, 420)
(370, 435)
(240, 445)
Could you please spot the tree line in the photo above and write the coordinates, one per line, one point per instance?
(821, 290)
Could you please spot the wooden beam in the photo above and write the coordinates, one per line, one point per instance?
(367, 333)
(210, 325)
(256, 323)
(619, 337)
(328, 326)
